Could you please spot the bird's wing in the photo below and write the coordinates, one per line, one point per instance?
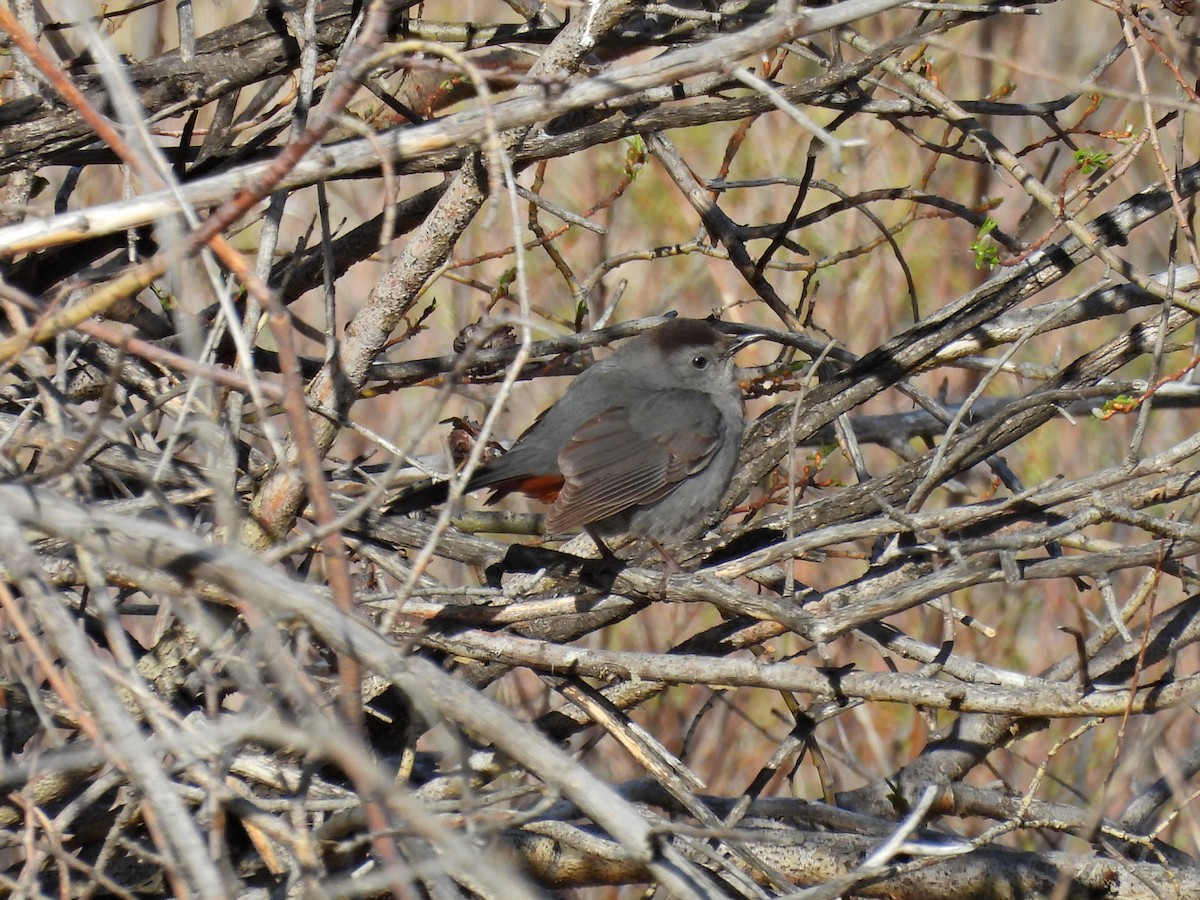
(632, 455)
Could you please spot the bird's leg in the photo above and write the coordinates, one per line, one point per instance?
(605, 554)
(602, 571)
(671, 566)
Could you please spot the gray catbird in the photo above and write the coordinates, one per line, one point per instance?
(643, 442)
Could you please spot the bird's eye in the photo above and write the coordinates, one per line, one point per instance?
(700, 362)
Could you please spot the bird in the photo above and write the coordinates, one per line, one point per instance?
(643, 443)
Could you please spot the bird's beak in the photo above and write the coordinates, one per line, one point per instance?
(741, 341)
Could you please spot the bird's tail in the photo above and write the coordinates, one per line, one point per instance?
(425, 494)
(543, 488)
(420, 496)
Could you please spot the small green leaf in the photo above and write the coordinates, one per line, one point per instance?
(635, 156)
(1089, 160)
(987, 254)
(507, 277)
(166, 300)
